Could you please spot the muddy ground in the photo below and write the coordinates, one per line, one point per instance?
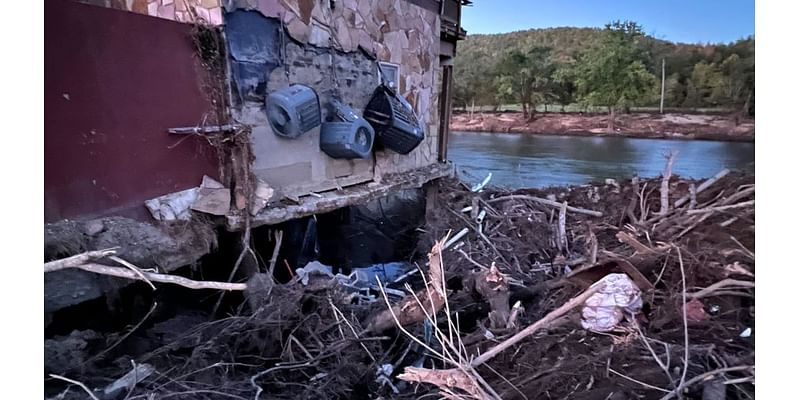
(694, 265)
(646, 125)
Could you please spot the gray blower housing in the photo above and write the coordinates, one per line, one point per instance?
(348, 138)
(293, 111)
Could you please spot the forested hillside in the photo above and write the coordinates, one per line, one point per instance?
(616, 68)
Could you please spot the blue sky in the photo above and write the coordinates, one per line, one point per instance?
(698, 21)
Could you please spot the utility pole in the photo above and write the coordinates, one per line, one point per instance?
(663, 69)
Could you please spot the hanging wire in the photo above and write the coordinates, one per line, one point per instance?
(283, 49)
(334, 79)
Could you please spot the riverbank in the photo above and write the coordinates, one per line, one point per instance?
(639, 125)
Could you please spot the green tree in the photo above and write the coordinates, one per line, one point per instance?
(476, 70)
(705, 86)
(613, 73)
(675, 90)
(472, 80)
(526, 78)
(564, 85)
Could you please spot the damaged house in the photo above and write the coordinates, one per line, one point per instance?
(176, 128)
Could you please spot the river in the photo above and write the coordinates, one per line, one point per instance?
(523, 160)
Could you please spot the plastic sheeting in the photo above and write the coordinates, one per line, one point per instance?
(604, 310)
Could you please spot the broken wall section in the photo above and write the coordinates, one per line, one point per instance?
(165, 248)
(274, 44)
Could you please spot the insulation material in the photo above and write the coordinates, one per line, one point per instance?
(604, 310)
(173, 206)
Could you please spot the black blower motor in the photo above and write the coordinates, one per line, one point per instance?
(394, 120)
(350, 137)
(293, 111)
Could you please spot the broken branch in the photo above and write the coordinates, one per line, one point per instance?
(665, 184)
(546, 202)
(163, 278)
(82, 386)
(702, 377)
(542, 323)
(725, 283)
(703, 186)
(78, 259)
(446, 378)
(722, 208)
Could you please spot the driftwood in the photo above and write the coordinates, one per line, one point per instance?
(546, 202)
(444, 379)
(409, 311)
(703, 186)
(493, 286)
(154, 277)
(562, 227)
(78, 259)
(460, 378)
(722, 208)
(665, 184)
(704, 376)
(139, 373)
(725, 283)
(542, 323)
(74, 382)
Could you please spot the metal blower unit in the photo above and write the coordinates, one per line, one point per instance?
(349, 137)
(293, 111)
(394, 120)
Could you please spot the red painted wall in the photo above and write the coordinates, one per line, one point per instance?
(114, 82)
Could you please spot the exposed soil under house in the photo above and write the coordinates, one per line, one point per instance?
(644, 125)
(693, 264)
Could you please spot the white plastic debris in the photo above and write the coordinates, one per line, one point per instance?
(481, 216)
(480, 186)
(173, 206)
(314, 267)
(261, 197)
(455, 238)
(604, 310)
(746, 333)
(384, 377)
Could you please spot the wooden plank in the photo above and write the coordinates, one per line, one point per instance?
(336, 199)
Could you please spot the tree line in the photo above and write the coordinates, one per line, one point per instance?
(616, 68)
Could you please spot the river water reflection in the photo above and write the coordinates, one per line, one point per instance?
(518, 161)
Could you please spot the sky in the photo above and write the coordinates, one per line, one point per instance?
(686, 21)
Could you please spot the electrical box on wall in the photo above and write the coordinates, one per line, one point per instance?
(293, 110)
(394, 121)
(349, 137)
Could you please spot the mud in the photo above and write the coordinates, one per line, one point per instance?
(642, 125)
(165, 247)
(291, 341)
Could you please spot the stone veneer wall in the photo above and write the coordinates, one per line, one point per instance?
(175, 10)
(394, 31)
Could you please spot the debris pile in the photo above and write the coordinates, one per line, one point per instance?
(619, 290)
(683, 248)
